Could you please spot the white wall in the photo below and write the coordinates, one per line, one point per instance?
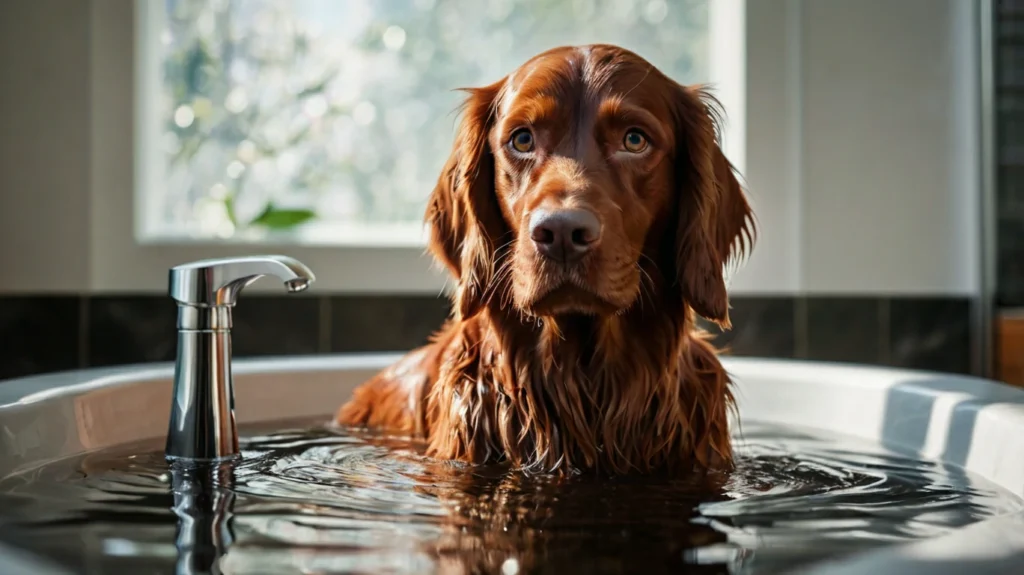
(883, 166)
(863, 146)
(773, 149)
(861, 154)
(44, 143)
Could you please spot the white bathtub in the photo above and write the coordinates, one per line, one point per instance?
(973, 423)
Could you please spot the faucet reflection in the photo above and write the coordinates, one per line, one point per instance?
(204, 502)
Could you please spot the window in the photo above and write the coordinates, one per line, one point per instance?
(326, 122)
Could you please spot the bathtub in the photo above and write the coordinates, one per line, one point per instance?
(973, 423)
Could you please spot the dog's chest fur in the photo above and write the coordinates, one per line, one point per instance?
(587, 394)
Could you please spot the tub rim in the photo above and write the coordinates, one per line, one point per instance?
(959, 419)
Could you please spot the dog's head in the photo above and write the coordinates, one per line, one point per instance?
(579, 177)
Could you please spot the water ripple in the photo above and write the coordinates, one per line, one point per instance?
(316, 500)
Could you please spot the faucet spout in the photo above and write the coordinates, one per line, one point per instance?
(219, 281)
(296, 285)
(202, 425)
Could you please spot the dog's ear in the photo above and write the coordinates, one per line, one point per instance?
(715, 222)
(463, 215)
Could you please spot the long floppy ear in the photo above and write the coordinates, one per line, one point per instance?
(463, 215)
(716, 223)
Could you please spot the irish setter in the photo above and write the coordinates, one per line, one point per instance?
(586, 213)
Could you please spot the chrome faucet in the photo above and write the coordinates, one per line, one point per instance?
(202, 425)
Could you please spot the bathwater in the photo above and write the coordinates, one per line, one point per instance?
(311, 499)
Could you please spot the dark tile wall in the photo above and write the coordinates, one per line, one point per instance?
(43, 334)
(760, 326)
(1009, 122)
(356, 322)
(130, 329)
(930, 333)
(848, 329)
(39, 334)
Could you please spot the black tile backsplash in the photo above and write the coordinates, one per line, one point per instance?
(129, 329)
(269, 325)
(44, 334)
(930, 334)
(1009, 128)
(358, 323)
(761, 326)
(846, 329)
(39, 334)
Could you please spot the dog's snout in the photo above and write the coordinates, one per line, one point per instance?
(564, 235)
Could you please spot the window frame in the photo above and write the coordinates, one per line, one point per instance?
(124, 263)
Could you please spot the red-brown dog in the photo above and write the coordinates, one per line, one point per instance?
(586, 213)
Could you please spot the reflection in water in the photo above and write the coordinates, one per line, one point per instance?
(316, 500)
(204, 502)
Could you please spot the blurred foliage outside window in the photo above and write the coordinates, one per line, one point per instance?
(316, 120)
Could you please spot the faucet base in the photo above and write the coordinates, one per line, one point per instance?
(202, 425)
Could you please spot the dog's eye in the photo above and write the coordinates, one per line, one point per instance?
(522, 141)
(635, 141)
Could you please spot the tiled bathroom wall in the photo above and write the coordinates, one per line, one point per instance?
(1009, 209)
(1009, 110)
(40, 334)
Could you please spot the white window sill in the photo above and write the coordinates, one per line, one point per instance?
(350, 269)
(346, 259)
(313, 235)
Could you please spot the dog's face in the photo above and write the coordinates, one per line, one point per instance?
(578, 177)
(583, 161)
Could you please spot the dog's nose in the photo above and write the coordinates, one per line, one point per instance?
(564, 235)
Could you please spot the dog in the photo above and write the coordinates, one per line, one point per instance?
(587, 215)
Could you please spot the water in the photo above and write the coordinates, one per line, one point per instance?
(310, 499)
